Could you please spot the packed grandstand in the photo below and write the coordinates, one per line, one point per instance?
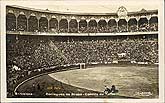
(27, 54)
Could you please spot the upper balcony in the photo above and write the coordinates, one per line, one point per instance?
(21, 20)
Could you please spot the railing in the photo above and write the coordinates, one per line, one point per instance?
(80, 34)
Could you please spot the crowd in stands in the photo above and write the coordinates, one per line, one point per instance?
(73, 30)
(154, 27)
(73, 27)
(43, 25)
(29, 53)
(132, 28)
(32, 24)
(122, 28)
(63, 30)
(83, 29)
(144, 27)
(106, 29)
(10, 25)
(106, 50)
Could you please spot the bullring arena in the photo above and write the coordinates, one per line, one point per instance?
(78, 55)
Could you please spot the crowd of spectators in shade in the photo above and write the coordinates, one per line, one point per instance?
(147, 27)
(29, 52)
(132, 28)
(109, 29)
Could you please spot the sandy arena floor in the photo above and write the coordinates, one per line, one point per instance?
(134, 81)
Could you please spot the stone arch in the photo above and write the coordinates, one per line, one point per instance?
(63, 25)
(132, 25)
(73, 26)
(112, 25)
(102, 23)
(92, 26)
(102, 26)
(33, 24)
(21, 23)
(43, 24)
(143, 24)
(83, 25)
(122, 25)
(142, 21)
(10, 22)
(112, 22)
(92, 23)
(153, 22)
(53, 24)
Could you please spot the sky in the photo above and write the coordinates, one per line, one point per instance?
(88, 6)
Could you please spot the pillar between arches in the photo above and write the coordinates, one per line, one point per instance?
(16, 21)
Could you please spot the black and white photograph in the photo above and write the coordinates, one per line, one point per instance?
(100, 50)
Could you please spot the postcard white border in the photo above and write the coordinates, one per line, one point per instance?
(3, 65)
